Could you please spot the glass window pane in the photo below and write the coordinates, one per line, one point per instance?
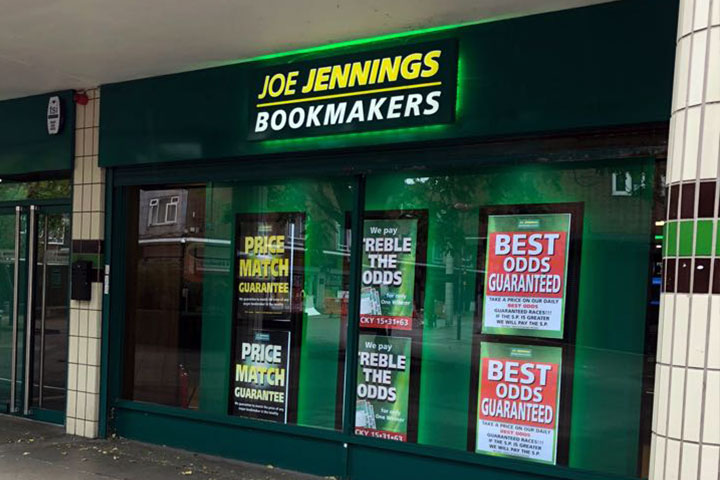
(164, 298)
(237, 298)
(35, 190)
(506, 312)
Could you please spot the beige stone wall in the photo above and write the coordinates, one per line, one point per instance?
(88, 221)
(686, 417)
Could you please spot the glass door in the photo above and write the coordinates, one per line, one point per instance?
(13, 236)
(34, 310)
(51, 311)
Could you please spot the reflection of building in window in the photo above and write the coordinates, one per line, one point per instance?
(153, 211)
(169, 208)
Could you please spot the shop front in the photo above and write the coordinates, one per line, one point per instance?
(427, 255)
(36, 159)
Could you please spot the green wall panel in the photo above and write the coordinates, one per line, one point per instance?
(25, 145)
(685, 238)
(703, 243)
(671, 236)
(312, 455)
(580, 68)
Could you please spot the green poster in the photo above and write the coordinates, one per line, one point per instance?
(388, 274)
(518, 401)
(383, 387)
(526, 264)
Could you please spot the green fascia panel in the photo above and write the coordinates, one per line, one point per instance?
(581, 68)
(703, 243)
(671, 233)
(685, 238)
(25, 145)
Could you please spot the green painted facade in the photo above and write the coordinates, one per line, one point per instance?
(590, 68)
(25, 145)
(583, 68)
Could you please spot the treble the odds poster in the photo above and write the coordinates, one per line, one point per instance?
(388, 273)
(526, 265)
(383, 387)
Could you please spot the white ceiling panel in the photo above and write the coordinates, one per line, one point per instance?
(59, 44)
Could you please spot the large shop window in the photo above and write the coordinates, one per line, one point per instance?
(505, 313)
(237, 298)
(509, 311)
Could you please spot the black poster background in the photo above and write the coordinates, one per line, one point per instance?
(270, 312)
(258, 408)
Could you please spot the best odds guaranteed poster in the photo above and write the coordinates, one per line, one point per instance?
(526, 266)
(518, 401)
(268, 289)
(383, 387)
(388, 273)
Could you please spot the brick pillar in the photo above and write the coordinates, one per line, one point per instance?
(88, 221)
(686, 417)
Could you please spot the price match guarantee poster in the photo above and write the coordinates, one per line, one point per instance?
(518, 401)
(383, 387)
(261, 375)
(269, 266)
(268, 290)
(388, 273)
(526, 266)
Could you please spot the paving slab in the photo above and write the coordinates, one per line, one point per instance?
(32, 450)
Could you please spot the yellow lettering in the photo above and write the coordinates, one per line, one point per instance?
(359, 73)
(291, 82)
(410, 66)
(321, 79)
(339, 76)
(265, 88)
(431, 63)
(374, 71)
(389, 69)
(277, 85)
(310, 81)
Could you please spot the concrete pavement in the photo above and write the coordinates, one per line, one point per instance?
(37, 451)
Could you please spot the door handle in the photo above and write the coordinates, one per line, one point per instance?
(16, 306)
(29, 313)
(43, 304)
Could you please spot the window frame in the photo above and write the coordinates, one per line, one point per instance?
(462, 158)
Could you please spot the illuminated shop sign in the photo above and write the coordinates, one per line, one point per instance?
(408, 86)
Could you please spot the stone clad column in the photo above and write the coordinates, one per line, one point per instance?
(686, 415)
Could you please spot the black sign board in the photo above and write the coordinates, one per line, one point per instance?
(406, 86)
